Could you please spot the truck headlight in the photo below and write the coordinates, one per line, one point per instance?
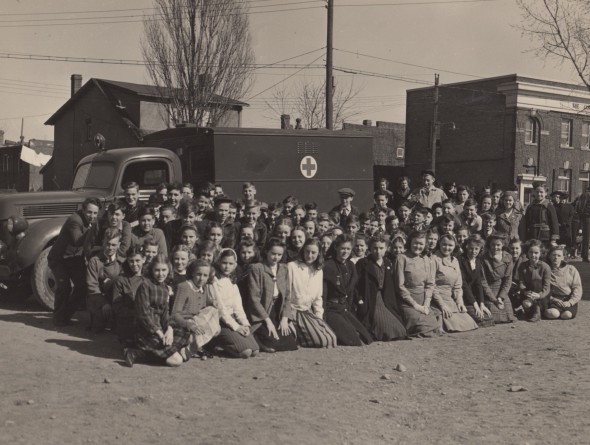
(17, 226)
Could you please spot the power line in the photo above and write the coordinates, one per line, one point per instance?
(53, 58)
(148, 19)
(286, 78)
(155, 15)
(406, 63)
(106, 10)
(415, 3)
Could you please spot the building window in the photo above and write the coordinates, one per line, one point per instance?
(585, 135)
(563, 180)
(566, 132)
(530, 131)
(400, 152)
(88, 129)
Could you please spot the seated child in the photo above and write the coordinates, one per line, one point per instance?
(193, 308)
(566, 287)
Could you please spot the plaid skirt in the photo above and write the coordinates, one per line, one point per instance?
(152, 344)
(312, 331)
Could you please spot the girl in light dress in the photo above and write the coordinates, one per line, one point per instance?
(306, 284)
(448, 287)
(235, 337)
(414, 273)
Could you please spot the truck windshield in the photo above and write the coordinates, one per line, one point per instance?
(94, 176)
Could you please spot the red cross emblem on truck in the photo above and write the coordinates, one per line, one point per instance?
(308, 167)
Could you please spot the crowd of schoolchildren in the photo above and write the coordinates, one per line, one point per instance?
(194, 274)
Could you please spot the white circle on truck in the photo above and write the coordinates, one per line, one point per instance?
(308, 167)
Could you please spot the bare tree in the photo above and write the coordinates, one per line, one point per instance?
(198, 53)
(560, 29)
(307, 100)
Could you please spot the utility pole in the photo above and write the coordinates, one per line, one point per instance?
(434, 125)
(329, 66)
(22, 127)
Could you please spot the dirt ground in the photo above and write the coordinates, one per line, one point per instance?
(67, 386)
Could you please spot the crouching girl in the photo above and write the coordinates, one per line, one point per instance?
(566, 287)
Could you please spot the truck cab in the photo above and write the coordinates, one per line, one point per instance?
(30, 222)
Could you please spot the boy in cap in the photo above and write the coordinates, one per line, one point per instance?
(346, 208)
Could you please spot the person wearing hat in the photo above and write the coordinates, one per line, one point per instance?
(565, 214)
(220, 214)
(428, 194)
(345, 208)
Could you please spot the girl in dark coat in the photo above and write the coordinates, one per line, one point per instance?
(340, 280)
(473, 282)
(379, 312)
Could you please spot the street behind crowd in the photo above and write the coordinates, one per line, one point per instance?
(525, 383)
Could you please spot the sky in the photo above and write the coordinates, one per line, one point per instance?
(408, 39)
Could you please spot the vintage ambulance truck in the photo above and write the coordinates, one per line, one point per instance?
(310, 165)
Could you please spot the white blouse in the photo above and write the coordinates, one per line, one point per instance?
(306, 288)
(226, 297)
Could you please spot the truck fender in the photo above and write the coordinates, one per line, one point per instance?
(39, 235)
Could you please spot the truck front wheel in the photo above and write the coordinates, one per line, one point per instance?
(43, 281)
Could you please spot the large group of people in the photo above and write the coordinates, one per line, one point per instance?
(197, 274)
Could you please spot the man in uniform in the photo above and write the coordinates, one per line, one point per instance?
(66, 261)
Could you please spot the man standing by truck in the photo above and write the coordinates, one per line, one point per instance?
(66, 261)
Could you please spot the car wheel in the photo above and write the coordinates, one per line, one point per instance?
(43, 282)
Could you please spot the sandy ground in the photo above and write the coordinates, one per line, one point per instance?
(67, 386)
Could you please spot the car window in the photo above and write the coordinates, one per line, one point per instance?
(148, 174)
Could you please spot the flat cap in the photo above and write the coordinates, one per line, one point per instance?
(346, 191)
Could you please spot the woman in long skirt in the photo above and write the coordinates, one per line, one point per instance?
(269, 300)
(306, 283)
(380, 312)
(340, 280)
(414, 274)
(448, 287)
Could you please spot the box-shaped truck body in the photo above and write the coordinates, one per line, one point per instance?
(308, 164)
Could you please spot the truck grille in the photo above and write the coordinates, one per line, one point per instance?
(48, 210)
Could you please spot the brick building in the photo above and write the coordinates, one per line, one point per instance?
(389, 142)
(122, 112)
(503, 131)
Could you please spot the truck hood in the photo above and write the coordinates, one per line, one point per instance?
(41, 205)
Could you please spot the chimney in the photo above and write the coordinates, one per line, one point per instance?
(1, 137)
(367, 123)
(285, 122)
(76, 83)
